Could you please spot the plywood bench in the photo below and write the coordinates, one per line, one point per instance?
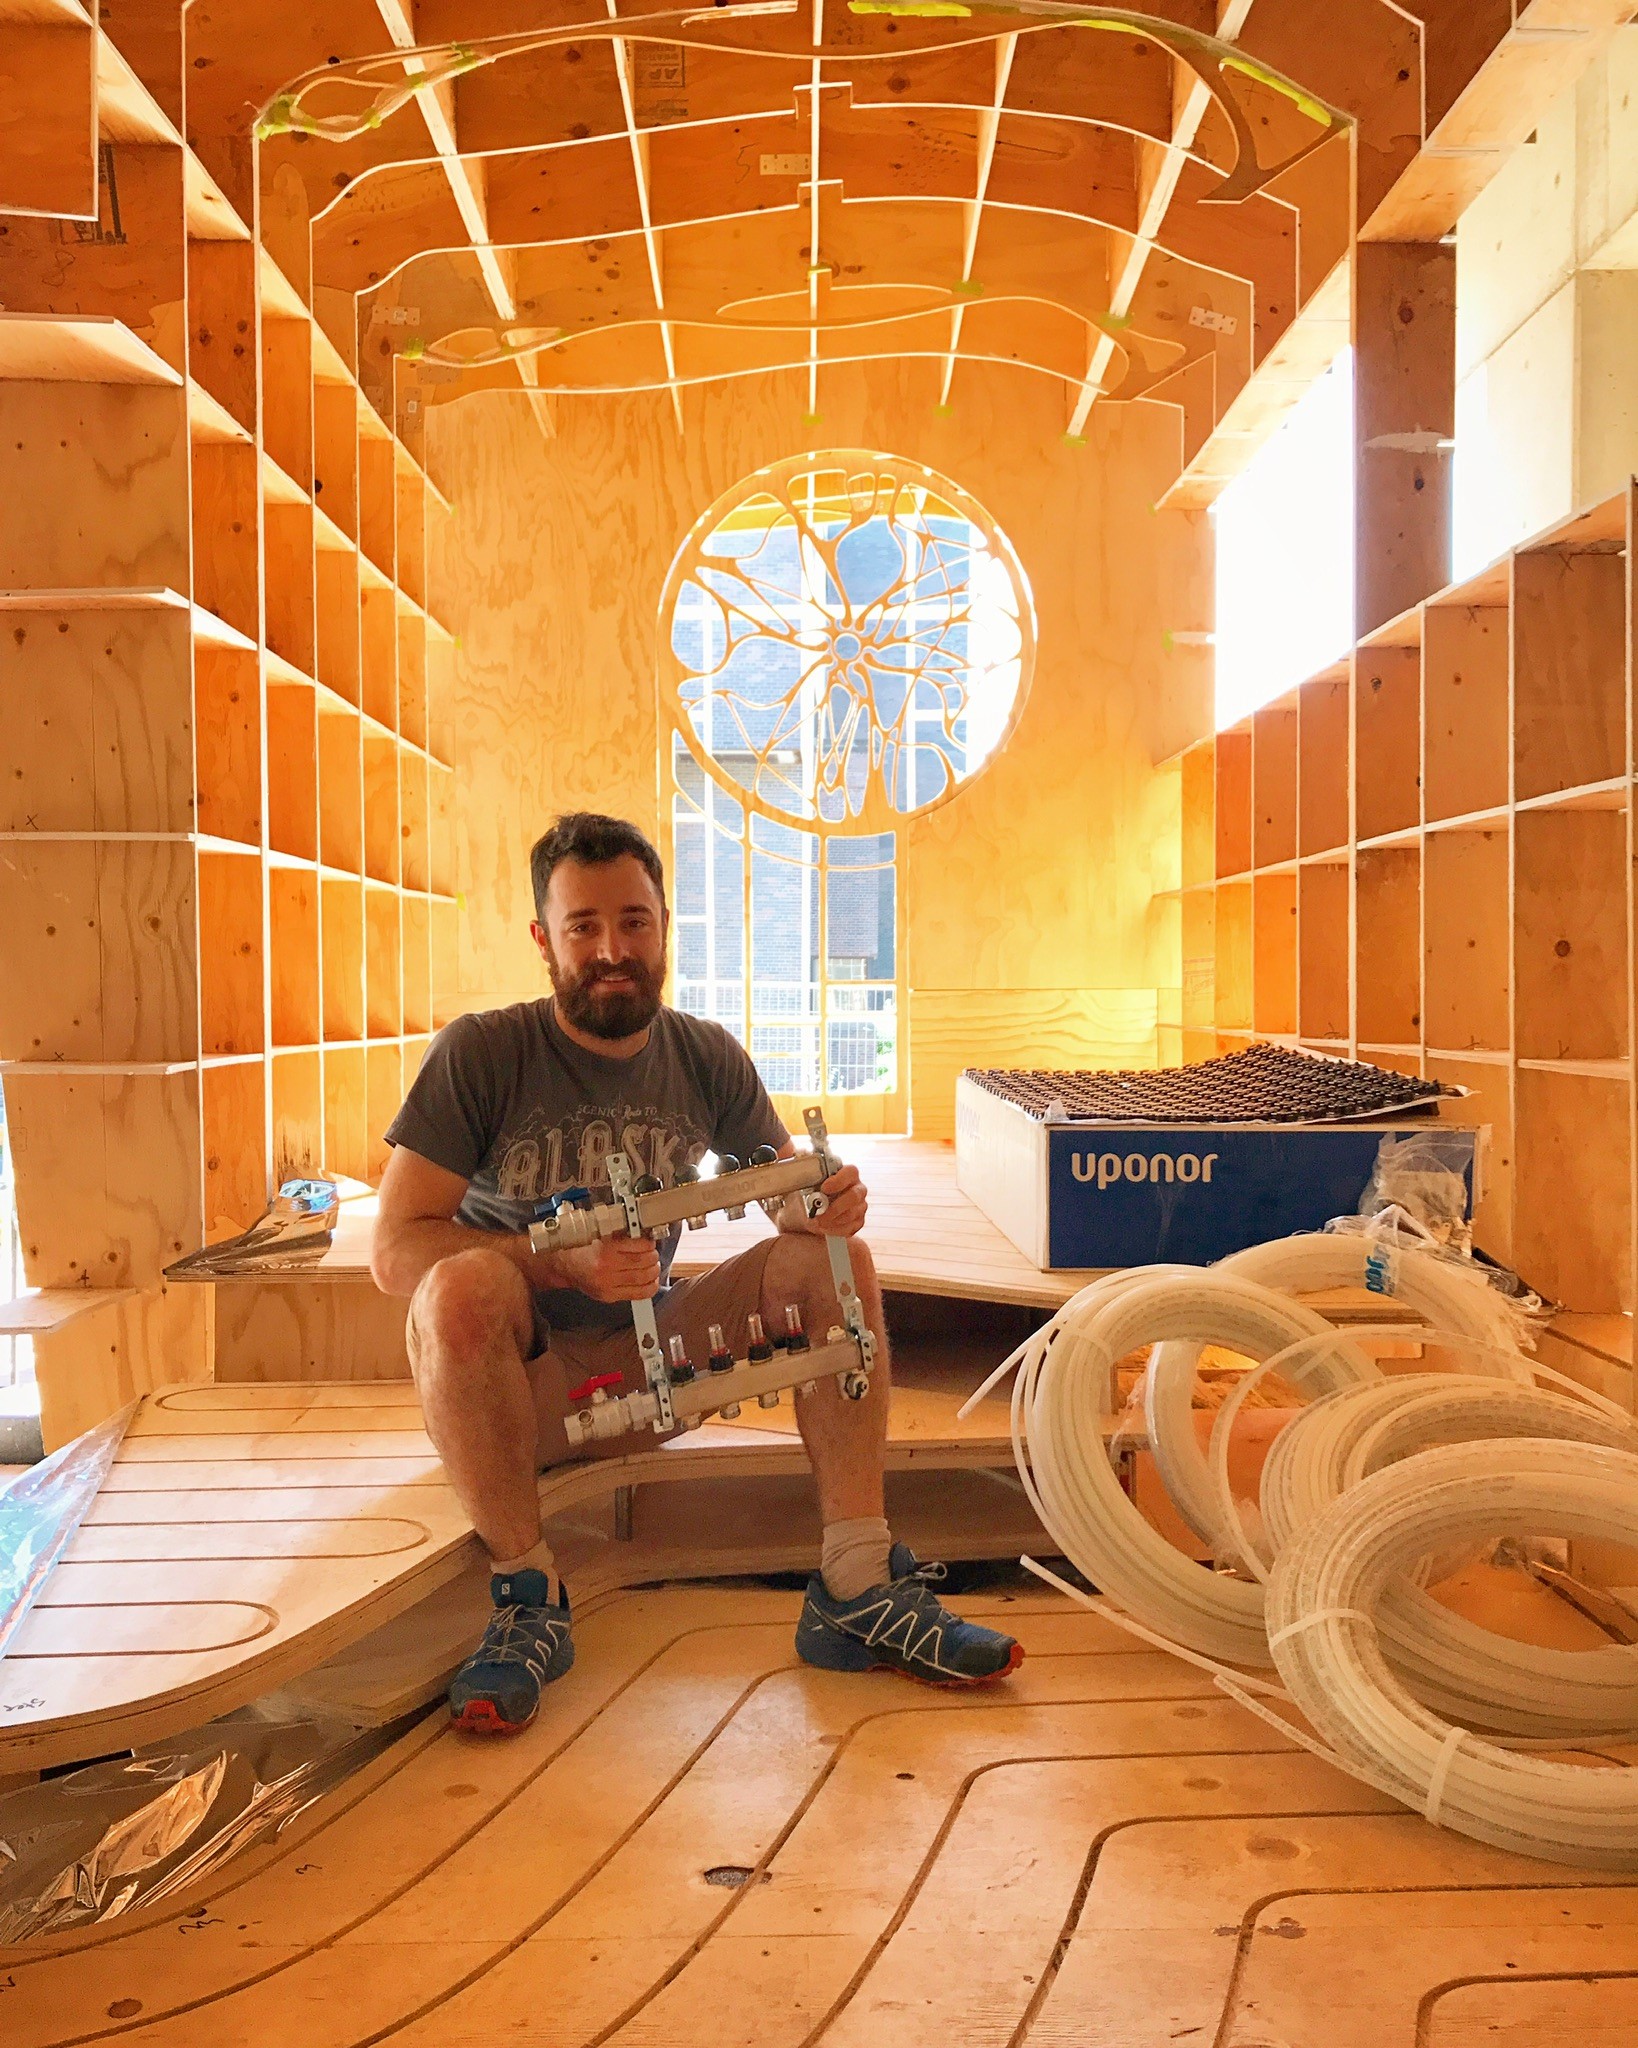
(330, 1322)
(246, 1534)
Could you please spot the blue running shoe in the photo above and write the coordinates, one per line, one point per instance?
(903, 1627)
(526, 1645)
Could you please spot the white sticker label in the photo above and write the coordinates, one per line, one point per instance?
(1219, 323)
(1381, 1271)
(785, 166)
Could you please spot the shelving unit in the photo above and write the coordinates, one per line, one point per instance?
(1423, 857)
(229, 728)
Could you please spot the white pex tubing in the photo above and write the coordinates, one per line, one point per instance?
(1063, 1395)
(1460, 1670)
(1374, 1477)
(1447, 1295)
(1324, 1611)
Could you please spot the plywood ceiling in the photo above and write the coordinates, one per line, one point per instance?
(598, 195)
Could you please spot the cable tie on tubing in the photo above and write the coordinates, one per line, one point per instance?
(1293, 1628)
(1433, 1805)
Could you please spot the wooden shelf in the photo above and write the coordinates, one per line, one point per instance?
(280, 299)
(284, 674)
(327, 535)
(81, 349)
(75, 1069)
(45, 1309)
(207, 629)
(1609, 795)
(1470, 821)
(1462, 899)
(411, 607)
(1591, 1070)
(126, 110)
(210, 631)
(210, 214)
(279, 488)
(210, 422)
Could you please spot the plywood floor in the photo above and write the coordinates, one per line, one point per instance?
(1103, 1852)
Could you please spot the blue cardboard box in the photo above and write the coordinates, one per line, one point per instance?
(1107, 1194)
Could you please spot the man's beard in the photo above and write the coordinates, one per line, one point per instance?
(615, 1013)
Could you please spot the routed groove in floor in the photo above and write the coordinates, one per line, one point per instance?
(1264, 1084)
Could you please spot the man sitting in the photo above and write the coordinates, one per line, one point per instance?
(513, 1106)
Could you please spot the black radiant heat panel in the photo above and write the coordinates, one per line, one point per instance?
(1265, 1084)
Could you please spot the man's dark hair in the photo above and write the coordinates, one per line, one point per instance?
(593, 840)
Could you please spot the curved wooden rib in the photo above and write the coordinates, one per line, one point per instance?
(1101, 1850)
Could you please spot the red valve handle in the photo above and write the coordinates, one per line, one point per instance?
(593, 1386)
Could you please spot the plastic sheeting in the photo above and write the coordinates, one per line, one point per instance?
(40, 1512)
(103, 1840)
(293, 1231)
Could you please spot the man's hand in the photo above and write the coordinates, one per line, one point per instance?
(846, 1204)
(612, 1269)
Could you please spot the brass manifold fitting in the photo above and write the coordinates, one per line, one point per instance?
(709, 1392)
(664, 1209)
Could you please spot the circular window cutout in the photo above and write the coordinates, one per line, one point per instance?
(845, 639)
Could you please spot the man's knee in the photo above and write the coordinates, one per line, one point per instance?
(799, 1263)
(465, 1301)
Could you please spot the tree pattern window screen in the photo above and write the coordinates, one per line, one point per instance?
(845, 639)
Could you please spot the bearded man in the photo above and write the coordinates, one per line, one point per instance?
(514, 1106)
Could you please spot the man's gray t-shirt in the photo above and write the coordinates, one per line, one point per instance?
(511, 1103)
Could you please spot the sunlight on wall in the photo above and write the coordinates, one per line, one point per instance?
(1285, 552)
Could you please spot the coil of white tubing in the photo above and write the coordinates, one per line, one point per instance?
(1344, 1437)
(1324, 1597)
(1460, 1669)
(1447, 1295)
(1062, 1395)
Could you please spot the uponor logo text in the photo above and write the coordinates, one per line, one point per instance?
(1105, 1168)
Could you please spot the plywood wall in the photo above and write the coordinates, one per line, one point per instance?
(1032, 934)
(1546, 312)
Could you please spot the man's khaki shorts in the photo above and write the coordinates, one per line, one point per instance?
(565, 1359)
(728, 1295)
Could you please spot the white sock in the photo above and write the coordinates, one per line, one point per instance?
(538, 1558)
(855, 1556)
